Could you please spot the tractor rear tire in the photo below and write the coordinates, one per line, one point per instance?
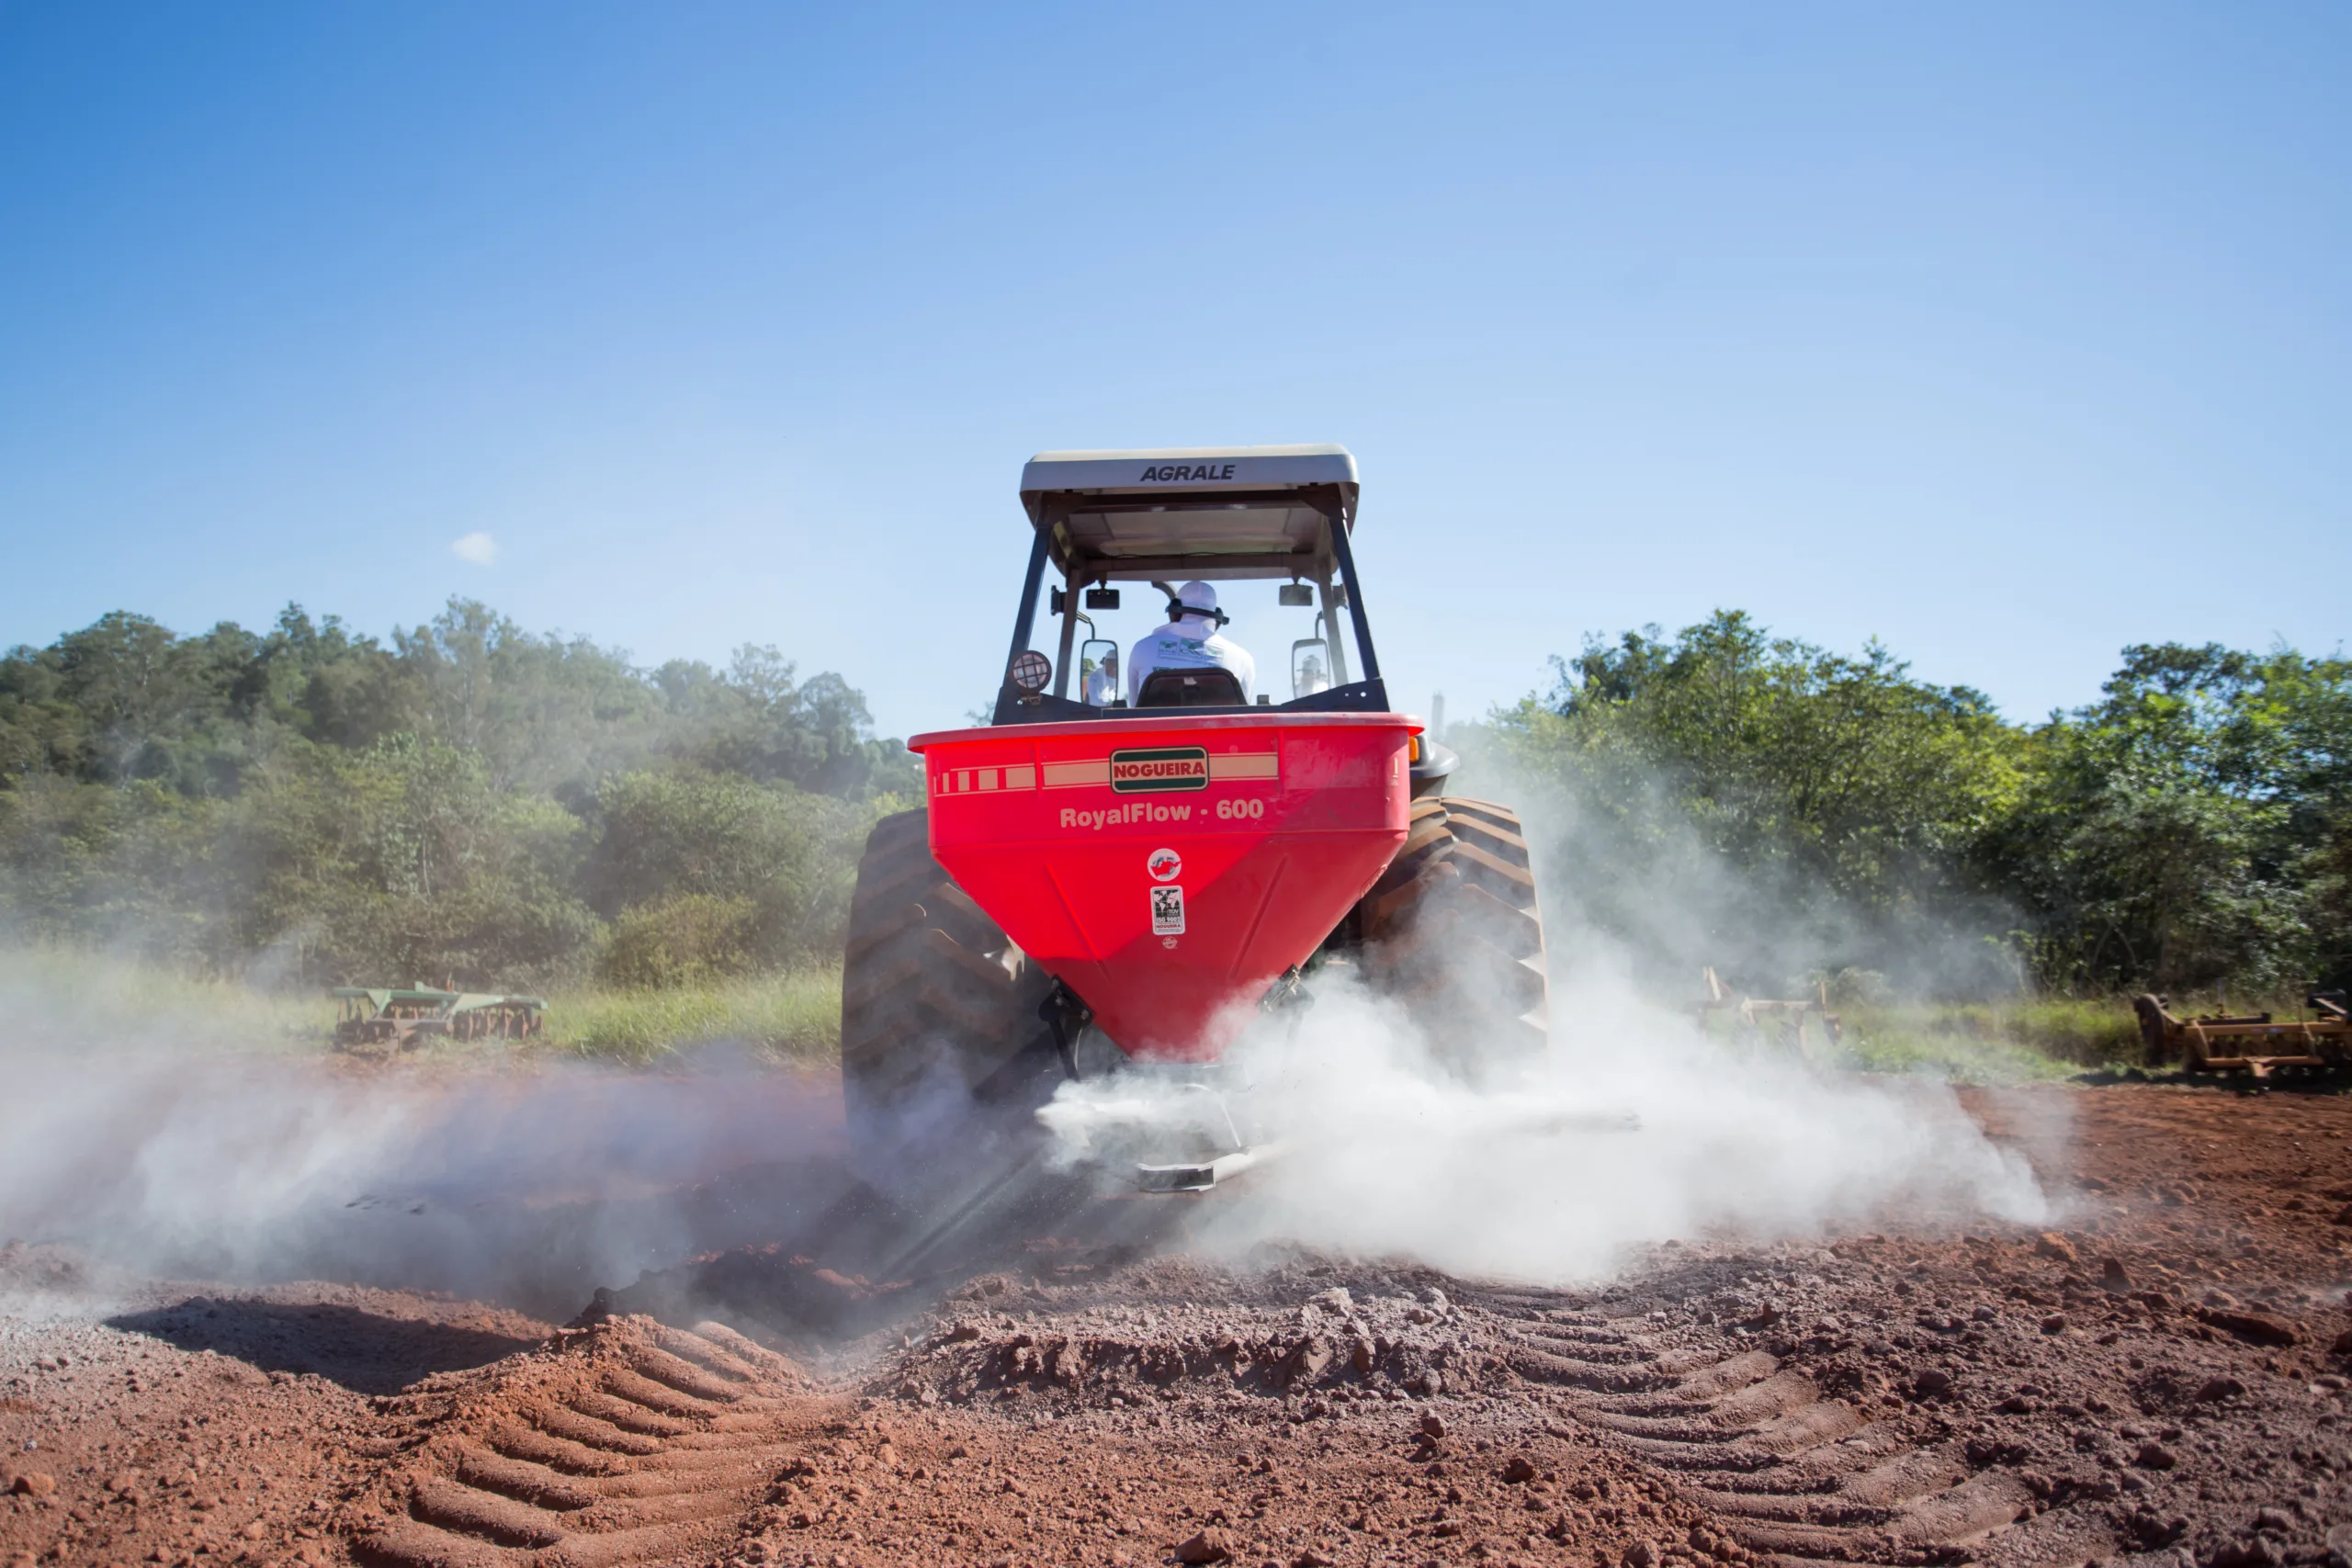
(944, 1058)
(1452, 930)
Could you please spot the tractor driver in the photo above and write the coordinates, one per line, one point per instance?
(1191, 641)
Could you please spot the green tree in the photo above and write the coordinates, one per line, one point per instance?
(423, 864)
(2186, 830)
(782, 859)
(757, 720)
(315, 804)
(538, 711)
(1764, 805)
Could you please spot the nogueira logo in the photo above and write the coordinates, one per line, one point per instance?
(1152, 770)
(1181, 473)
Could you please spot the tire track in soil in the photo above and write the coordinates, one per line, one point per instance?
(1744, 1455)
(1792, 1472)
(628, 1442)
(1919, 1398)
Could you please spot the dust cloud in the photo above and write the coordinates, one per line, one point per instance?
(527, 1186)
(1635, 1131)
(1637, 1128)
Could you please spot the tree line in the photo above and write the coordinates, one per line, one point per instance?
(1729, 797)
(467, 800)
(463, 801)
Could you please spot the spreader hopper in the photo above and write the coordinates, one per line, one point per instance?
(1168, 871)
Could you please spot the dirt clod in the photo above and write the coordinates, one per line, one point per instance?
(1210, 1545)
(2252, 1328)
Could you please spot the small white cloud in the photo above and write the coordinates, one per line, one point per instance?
(479, 548)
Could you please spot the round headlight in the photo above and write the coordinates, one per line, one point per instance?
(1031, 670)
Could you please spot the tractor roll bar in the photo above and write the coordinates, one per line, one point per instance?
(1024, 621)
(1365, 692)
(1346, 552)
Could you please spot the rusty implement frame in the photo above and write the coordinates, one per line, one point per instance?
(2253, 1043)
(1754, 1020)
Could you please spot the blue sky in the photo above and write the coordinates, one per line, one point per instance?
(2006, 335)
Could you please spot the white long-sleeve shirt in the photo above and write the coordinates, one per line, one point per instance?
(1190, 643)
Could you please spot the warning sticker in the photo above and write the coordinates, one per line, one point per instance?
(1167, 911)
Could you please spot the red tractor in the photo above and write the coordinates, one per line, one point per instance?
(1121, 878)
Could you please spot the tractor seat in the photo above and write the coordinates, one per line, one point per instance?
(1210, 688)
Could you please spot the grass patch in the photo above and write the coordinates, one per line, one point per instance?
(2085, 1030)
(2029, 1036)
(59, 998)
(1966, 1045)
(63, 998)
(2019, 1037)
(2014, 1039)
(792, 1018)
(2009, 1040)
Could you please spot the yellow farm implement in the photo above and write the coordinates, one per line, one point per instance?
(1783, 1024)
(2252, 1043)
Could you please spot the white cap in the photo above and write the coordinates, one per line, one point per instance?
(1196, 595)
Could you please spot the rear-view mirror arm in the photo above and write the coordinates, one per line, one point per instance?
(1328, 617)
(1070, 618)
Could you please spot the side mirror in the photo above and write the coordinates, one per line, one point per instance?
(1102, 598)
(1311, 667)
(1297, 596)
(1098, 673)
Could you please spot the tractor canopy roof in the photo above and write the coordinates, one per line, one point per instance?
(1209, 511)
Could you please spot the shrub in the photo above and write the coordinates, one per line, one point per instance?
(692, 940)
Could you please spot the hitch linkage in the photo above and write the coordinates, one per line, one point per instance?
(1065, 1013)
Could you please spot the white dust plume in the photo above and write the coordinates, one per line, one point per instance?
(1635, 1131)
(529, 1186)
